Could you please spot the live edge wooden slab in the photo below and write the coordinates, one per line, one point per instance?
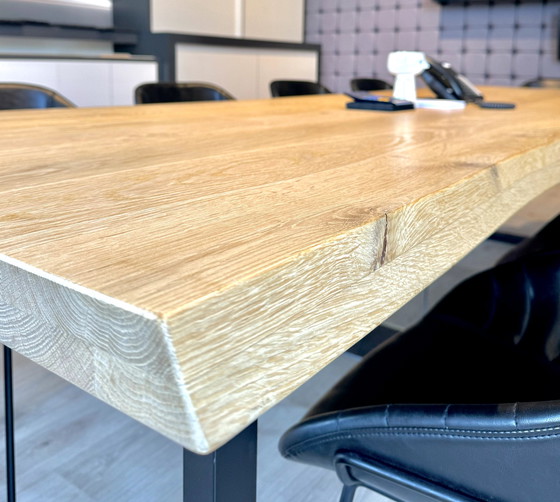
(192, 264)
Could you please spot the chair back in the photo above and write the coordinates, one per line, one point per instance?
(369, 84)
(280, 88)
(15, 96)
(462, 407)
(174, 92)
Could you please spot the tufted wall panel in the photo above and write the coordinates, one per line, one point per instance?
(499, 44)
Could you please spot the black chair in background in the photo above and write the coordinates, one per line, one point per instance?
(174, 92)
(545, 83)
(463, 407)
(15, 96)
(280, 88)
(369, 84)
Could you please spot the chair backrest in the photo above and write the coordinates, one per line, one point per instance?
(279, 88)
(515, 308)
(548, 83)
(369, 84)
(460, 407)
(15, 96)
(174, 92)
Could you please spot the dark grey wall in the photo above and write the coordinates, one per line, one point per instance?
(502, 44)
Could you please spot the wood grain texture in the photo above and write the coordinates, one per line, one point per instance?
(192, 264)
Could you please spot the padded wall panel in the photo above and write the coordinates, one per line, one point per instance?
(507, 43)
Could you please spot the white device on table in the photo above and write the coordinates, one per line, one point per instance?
(405, 65)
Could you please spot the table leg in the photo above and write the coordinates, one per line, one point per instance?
(9, 420)
(227, 475)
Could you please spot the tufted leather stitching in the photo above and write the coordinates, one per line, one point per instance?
(424, 432)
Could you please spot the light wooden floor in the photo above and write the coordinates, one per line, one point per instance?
(73, 448)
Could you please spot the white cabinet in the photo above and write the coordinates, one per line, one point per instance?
(284, 65)
(274, 20)
(84, 82)
(229, 67)
(29, 71)
(198, 17)
(126, 76)
(257, 19)
(244, 72)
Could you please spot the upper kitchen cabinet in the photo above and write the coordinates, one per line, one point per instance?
(222, 18)
(274, 20)
(250, 19)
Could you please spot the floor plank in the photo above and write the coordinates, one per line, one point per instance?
(72, 447)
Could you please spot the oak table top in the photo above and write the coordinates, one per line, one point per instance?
(192, 264)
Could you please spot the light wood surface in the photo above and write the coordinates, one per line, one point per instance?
(192, 264)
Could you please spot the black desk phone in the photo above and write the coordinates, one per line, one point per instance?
(448, 84)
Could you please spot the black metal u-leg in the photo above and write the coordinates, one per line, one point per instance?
(348, 492)
(9, 420)
(227, 475)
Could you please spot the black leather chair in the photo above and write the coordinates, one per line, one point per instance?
(173, 92)
(15, 96)
(463, 407)
(280, 88)
(369, 84)
(546, 83)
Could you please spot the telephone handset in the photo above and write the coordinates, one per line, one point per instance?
(448, 84)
